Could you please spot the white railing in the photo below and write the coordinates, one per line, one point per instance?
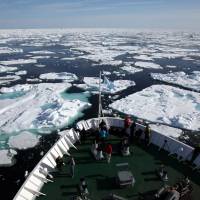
(38, 177)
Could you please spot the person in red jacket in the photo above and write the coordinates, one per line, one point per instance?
(108, 151)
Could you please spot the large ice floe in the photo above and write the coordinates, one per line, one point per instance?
(18, 62)
(39, 107)
(112, 87)
(65, 76)
(164, 104)
(149, 65)
(23, 140)
(7, 157)
(191, 81)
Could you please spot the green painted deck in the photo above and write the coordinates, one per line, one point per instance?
(100, 176)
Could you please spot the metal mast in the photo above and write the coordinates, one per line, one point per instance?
(100, 106)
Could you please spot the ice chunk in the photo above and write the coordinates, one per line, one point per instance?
(40, 65)
(106, 73)
(7, 158)
(18, 62)
(23, 141)
(66, 76)
(191, 81)
(150, 65)
(118, 73)
(131, 69)
(33, 80)
(69, 58)
(23, 72)
(171, 66)
(164, 104)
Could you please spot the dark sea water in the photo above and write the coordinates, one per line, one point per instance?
(12, 177)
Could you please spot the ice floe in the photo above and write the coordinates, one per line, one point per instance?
(42, 52)
(40, 65)
(69, 58)
(92, 83)
(40, 107)
(101, 54)
(171, 66)
(23, 140)
(33, 80)
(149, 65)
(16, 88)
(164, 104)
(18, 62)
(169, 55)
(65, 76)
(8, 50)
(7, 157)
(7, 69)
(191, 81)
(106, 73)
(143, 57)
(40, 57)
(8, 79)
(130, 69)
(20, 73)
(119, 73)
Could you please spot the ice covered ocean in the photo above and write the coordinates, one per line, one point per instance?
(48, 80)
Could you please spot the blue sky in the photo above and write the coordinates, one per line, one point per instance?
(138, 14)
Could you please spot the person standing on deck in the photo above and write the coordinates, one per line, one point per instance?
(99, 155)
(127, 125)
(103, 126)
(147, 133)
(108, 151)
(72, 166)
(103, 131)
